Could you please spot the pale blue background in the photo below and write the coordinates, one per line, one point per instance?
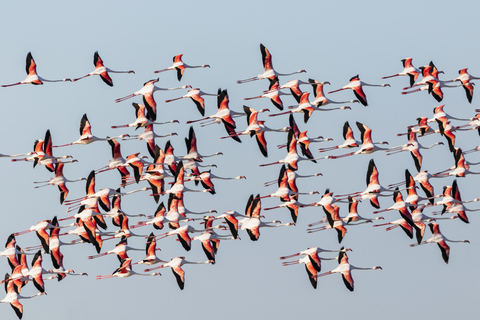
(333, 42)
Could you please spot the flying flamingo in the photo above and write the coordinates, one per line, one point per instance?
(147, 92)
(467, 83)
(374, 189)
(142, 118)
(349, 142)
(230, 218)
(176, 265)
(11, 251)
(191, 143)
(183, 234)
(43, 154)
(429, 72)
(59, 181)
(320, 99)
(335, 222)
(253, 225)
(408, 70)
(345, 268)
(151, 250)
(269, 72)
(307, 108)
(368, 146)
(273, 94)
(86, 136)
(284, 192)
(125, 271)
(401, 206)
(102, 71)
(302, 139)
(120, 250)
(224, 115)
(206, 177)
(461, 168)
(57, 256)
(32, 76)
(440, 240)
(292, 157)
(294, 86)
(311, 266)
(118, 162)
(356, 85)
(180, 66)
(402, 223)
(13, 296)
(196, 95)
(413, 146)
(257, 128)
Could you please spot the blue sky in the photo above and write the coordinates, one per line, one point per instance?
(333, 42)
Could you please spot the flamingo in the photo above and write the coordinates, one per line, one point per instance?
(151, 250)
(120, 250)
(57, 256)
(142, 119)
(11, 251)
(401, 206)
(461, 168)
(368, 146)
(257, 128)
(320, 99)
(86, 136)
(302, 139)
(292, 157)
(269, 72)
(307, 108)
(206, 177)
(429, 72)
(13, 296)
(41, 231)
(230, 218)
(43, 154)
(311, 266)
(335, 222)
(176, 265)
(191, 143)
(147, 92)
(357, 86)
(252, 226)
(117, 162)
(32, 76)
(440, 240)
(59, 181)
(349, 142)
(180, 66)
(402, 223)
(125, 271)
(408, 70)
(345, 268)
(413, 146)
(102, 71)
(273, 94)
(294, 86)
(183, 234)
(374, 189)
(467, 83)
(284, 192)
(224, 115)
(196, 95)
(155, 174)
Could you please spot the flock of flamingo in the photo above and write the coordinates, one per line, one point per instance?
(164, 176)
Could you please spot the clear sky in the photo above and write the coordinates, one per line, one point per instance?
(332, 41)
